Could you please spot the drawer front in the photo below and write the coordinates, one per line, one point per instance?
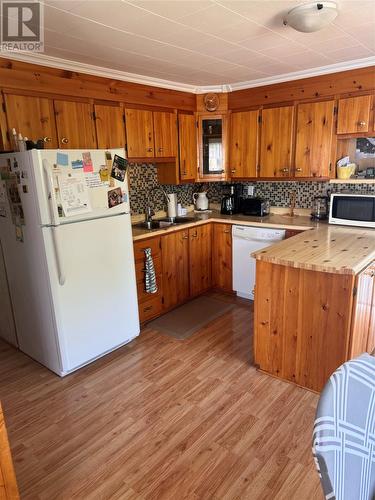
(140, 266)
(143, 295)
(150, 309)
(139, 247)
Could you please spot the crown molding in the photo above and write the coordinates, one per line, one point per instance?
(56, 62)
(90, 69)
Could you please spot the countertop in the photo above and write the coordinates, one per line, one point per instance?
(327, 248)
(275, 221)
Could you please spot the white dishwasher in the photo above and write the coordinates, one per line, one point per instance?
(246, 240)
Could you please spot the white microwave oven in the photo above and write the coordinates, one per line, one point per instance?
(352, 209)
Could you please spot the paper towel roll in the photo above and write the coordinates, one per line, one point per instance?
(172, 205)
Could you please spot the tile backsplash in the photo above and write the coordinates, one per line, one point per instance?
(143, 185)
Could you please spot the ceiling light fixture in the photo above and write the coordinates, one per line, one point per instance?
(312, 16)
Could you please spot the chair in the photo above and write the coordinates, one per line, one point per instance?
(344, 432)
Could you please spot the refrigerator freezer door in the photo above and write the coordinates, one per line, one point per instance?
(45, 171)
(96, 306)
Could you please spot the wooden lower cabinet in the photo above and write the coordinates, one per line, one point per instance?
(187, 263)
(222, 257)
(175, 257)
(8, 483)
(150, 305)
(302, 323)
(200, 259)
(363, 323)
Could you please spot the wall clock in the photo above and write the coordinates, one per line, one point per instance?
(211, 102)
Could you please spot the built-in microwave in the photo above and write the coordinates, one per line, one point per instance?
(352, 209)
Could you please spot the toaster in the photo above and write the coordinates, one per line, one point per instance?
(258, 207)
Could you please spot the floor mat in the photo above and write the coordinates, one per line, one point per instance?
(183, 322)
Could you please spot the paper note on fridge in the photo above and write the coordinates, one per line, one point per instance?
(74, 194)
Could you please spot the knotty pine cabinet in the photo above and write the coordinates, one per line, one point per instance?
(110, 126)
(175, 252)
(31, 116)
(200, 258)
(150, 305)
(187, 263)
(354, 115)
(150, 134)
(243, 144)
(75, 125)
(8, 483)
(222, 256)
(313, 155)
(277, 128)
(187, 142)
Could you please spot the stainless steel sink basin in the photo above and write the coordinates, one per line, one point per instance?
(166, 222)
(178, 220)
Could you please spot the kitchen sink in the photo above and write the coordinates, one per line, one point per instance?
(165, 222)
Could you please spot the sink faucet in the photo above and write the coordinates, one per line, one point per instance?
(149, 208)
(292, 203)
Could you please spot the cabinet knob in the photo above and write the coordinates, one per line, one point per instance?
(64, 140)
(233, 171)
(160, 150)
(147, 309)
(226, 231)
(284, 170)
(194, 235)
(299, 169)
(185, 237)
(362, 123)
(149, 150)
(47, 139)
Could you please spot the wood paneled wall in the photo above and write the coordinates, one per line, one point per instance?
(350, 82)
(26, 77)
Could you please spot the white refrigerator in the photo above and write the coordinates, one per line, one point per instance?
(68, 256)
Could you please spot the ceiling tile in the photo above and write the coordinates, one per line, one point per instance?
(267, 41)
(172, 9)
(241, 31)
(211, 20)
(349, 53)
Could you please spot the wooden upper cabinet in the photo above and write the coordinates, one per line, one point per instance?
(110, 128)
(165, 134)
(175, 254)
(139, 133)
(222, 256)
(354, 114)
(187, 142)
(75, 125)
(243, 144)
(33, 117)
(276, 142)
(314, 139)
(200, 258)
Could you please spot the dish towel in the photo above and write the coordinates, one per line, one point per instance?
(150, 278)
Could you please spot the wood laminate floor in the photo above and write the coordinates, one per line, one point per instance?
(161, 419)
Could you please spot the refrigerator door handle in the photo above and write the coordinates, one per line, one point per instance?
(59, 262)
(51, 194)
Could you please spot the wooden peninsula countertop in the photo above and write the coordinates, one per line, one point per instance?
(327, 248)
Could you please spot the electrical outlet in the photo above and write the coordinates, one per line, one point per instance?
(250, 190)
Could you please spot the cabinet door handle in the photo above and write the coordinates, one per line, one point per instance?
(47, 139)
(194, 235)
(64, 140)
(226, 231)
(284, 170)
(299, 169)
(185, 237)
(149, 150)
(160, 150)
(147, 309)
(361, 123)
(233, 171)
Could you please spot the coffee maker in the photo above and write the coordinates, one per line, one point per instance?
(230, 202)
